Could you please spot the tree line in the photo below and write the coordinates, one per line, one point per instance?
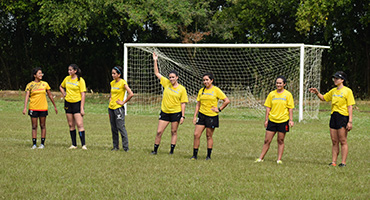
(91, 33)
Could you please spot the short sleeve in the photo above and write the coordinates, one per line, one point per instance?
(82, 85)
(220, 94)
(329, 95)
(47, 86)
(290, 101)
(184, 96)
(63, 84)
(268, 101)
(350, 98)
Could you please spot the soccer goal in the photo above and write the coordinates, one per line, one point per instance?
(245, 72)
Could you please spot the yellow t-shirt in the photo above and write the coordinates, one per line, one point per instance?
(117, 91)
(208, 99)
(340, 100)
(279, 104)
(37, 91)
(172, 97)
(73, 88)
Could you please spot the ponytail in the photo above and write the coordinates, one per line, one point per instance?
(78, 70)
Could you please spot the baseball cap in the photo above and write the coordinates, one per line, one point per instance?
(340, 75)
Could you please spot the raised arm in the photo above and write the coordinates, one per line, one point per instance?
(156, 71)
(316, 91)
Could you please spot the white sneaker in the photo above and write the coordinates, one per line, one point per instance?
(84, 147)
(41, 146)
(258, 160)
(279, 162)
(33, 147)
(72, 147)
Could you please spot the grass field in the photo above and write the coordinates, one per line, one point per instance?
(58, 173)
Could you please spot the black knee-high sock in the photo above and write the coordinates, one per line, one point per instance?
(172, 148)
(156, 147)
(195, 153)
(82, 137)
(209, 152)
(73, 137)
(34, 140)
(43, 141)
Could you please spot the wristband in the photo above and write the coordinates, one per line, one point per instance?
(219, 110)
(183, 117)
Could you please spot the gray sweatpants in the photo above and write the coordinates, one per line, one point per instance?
(117, 123)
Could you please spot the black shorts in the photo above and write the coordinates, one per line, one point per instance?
(338, 121)
(207, 121)
(172, 117)
(278, 127)
(36, 114)
(72, 108)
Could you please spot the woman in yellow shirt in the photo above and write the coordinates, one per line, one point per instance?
(206, 113)
(172, 108)
(279, 116)
(116, 108)
(73, 89)
(342, 100)
(38, 108)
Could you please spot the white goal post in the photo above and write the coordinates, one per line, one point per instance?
(245, 72)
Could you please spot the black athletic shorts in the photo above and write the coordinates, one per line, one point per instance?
(209, 122)
(36, 114)
(278, 127)
(338, 121)
(172, 117)
(72, 108)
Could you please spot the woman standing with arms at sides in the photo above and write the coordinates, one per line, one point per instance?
(342, 100)
(172, 108)
(279, 116)
(116, 108)
(73, 89)
(36, 91)
(207, 112)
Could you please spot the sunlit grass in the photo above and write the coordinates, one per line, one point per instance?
(58, 173)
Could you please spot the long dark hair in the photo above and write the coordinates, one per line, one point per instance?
(210, 76)
(78, 70)
(34, 72)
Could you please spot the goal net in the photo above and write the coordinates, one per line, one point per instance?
(246, 73)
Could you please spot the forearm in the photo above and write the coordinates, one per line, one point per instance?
(226, 102)
(183, 109)
(267, 113)
(290, 114)
(197, 109)
(83, 97)
(26, 100)
(350, 111)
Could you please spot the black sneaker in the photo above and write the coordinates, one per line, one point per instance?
(341, 165)
(115, 149)
(208, 158)
(193, 158)
(154, 153)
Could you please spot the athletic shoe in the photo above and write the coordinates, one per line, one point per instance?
(115, 149)
(342, 165)
(332, 164)
(208, 158)
(84, 147)
(72, 147)
(41, 146)
(154, 153)
(258, 160)
(126, 150)
(279, 162)
(33, 147)
(193, 158)
(171, 153)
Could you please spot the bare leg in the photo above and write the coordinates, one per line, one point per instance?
(174, 127)
(197, 133)
(342, 133)
(266, 145)
(280, 141)
(335, 142)
(161, 127)
(34, 127)
(209, 133)
(43, 126)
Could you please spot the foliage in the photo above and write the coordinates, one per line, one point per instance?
(91, 33)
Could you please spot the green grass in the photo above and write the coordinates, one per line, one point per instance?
(58, 173)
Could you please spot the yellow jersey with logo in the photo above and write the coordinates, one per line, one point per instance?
(117, 91)
(208, 98)
(279, 104)
(73, 87)
(340, 100)
(172, 97)
(37, 91)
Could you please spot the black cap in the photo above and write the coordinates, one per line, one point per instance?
(340, 75)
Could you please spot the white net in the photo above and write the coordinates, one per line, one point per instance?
(246, 75)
